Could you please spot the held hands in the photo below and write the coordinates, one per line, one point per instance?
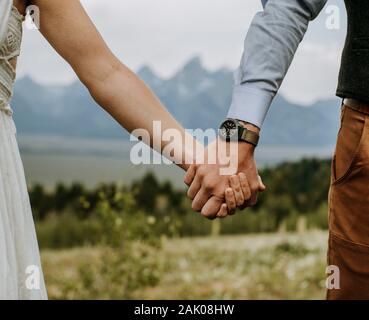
(217, 195)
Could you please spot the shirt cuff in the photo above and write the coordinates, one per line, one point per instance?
(250, 104)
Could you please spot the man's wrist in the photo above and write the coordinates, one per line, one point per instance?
(238, 130)
(252, 133)
(245, 148)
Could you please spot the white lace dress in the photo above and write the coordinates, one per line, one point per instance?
(20, 268)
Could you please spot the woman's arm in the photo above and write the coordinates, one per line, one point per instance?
(119, 91)
(114, 87)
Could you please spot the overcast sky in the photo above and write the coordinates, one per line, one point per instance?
(166, 33)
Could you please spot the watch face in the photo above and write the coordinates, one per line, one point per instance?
(228, 129)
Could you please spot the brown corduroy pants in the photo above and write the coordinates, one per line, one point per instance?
(348, 252)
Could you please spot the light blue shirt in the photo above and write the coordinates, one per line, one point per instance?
(270, 46)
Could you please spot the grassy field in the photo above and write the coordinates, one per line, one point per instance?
(265, 266)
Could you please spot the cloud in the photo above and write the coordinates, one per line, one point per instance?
(166, 33)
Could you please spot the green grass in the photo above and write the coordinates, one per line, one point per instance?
(265, 266)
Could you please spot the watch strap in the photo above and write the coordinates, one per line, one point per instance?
(249, 136)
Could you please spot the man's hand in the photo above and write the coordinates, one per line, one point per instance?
(207, 186)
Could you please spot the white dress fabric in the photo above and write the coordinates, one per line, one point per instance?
(21, 275)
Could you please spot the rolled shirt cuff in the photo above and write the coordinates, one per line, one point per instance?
(250, 104)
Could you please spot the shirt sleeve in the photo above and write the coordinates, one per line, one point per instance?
(270, 45)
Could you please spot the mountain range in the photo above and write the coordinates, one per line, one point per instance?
(197, 98)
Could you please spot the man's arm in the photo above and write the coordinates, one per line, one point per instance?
(270, 46)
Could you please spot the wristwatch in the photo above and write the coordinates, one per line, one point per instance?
(233, 130)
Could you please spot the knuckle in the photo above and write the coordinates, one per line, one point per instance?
(247, 194)
(238, 193)
(209, 185)
(200, 172)
(244, 185)
(242, 176)
(229, 192)
(208, 215)
(190, 195)
(232, 205)
(195, 207)
(187, 180)
(189, 175)
(233, 179)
